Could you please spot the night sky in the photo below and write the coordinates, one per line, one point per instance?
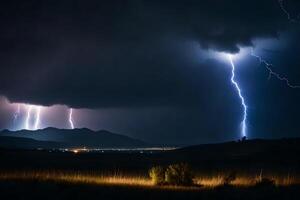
(151, 69)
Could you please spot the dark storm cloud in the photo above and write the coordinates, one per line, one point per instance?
(122, 53)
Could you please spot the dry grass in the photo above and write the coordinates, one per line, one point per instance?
(247, 180)
(91, 178)
(117, 179)
(76, 177)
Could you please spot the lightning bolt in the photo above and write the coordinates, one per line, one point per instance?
(36, 124)
(236, 85)
(27, 120)
(272, 73)
(37, 118)
(282, 7)
(71, 118)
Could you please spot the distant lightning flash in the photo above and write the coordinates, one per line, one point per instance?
(37, 118)
(71, 118)
(272, 73)
(17, 113)
(244, 121)
(27, 120)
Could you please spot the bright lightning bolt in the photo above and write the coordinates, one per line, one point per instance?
(243, 123)
(27, 120)
(71, 118)
(37, 118)
(272, 73)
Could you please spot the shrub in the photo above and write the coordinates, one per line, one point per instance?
(179, 174)
(157, 174)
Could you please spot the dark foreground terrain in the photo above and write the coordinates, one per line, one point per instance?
(265, 158)
(52, 190)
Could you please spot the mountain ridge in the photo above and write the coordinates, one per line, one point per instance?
(82, 137)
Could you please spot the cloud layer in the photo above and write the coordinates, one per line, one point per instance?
(122, 53)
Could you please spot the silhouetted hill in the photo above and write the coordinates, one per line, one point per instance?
(27, 143)
(255, 148)
(78, 137)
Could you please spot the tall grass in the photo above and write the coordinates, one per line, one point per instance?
(121, 179)
(76, 177)
(247, 180)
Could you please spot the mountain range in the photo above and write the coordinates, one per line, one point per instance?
(66, 138)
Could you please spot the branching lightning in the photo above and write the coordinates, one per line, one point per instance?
(31, 123)
(244, 121)
(32, 119)
(272, 73)
(286, 12)
(71, 118)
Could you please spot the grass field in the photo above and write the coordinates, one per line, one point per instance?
(76, 177)
(124, 175)
(96, 178)
(58, 185)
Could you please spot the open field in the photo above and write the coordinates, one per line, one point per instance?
(118, 179)
(76, 177)
(48, 174)
(84, 188)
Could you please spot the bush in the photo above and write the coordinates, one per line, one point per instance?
(157, 174)
(179, 174)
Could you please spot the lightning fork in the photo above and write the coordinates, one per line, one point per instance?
(272, 73)
(286, 12)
